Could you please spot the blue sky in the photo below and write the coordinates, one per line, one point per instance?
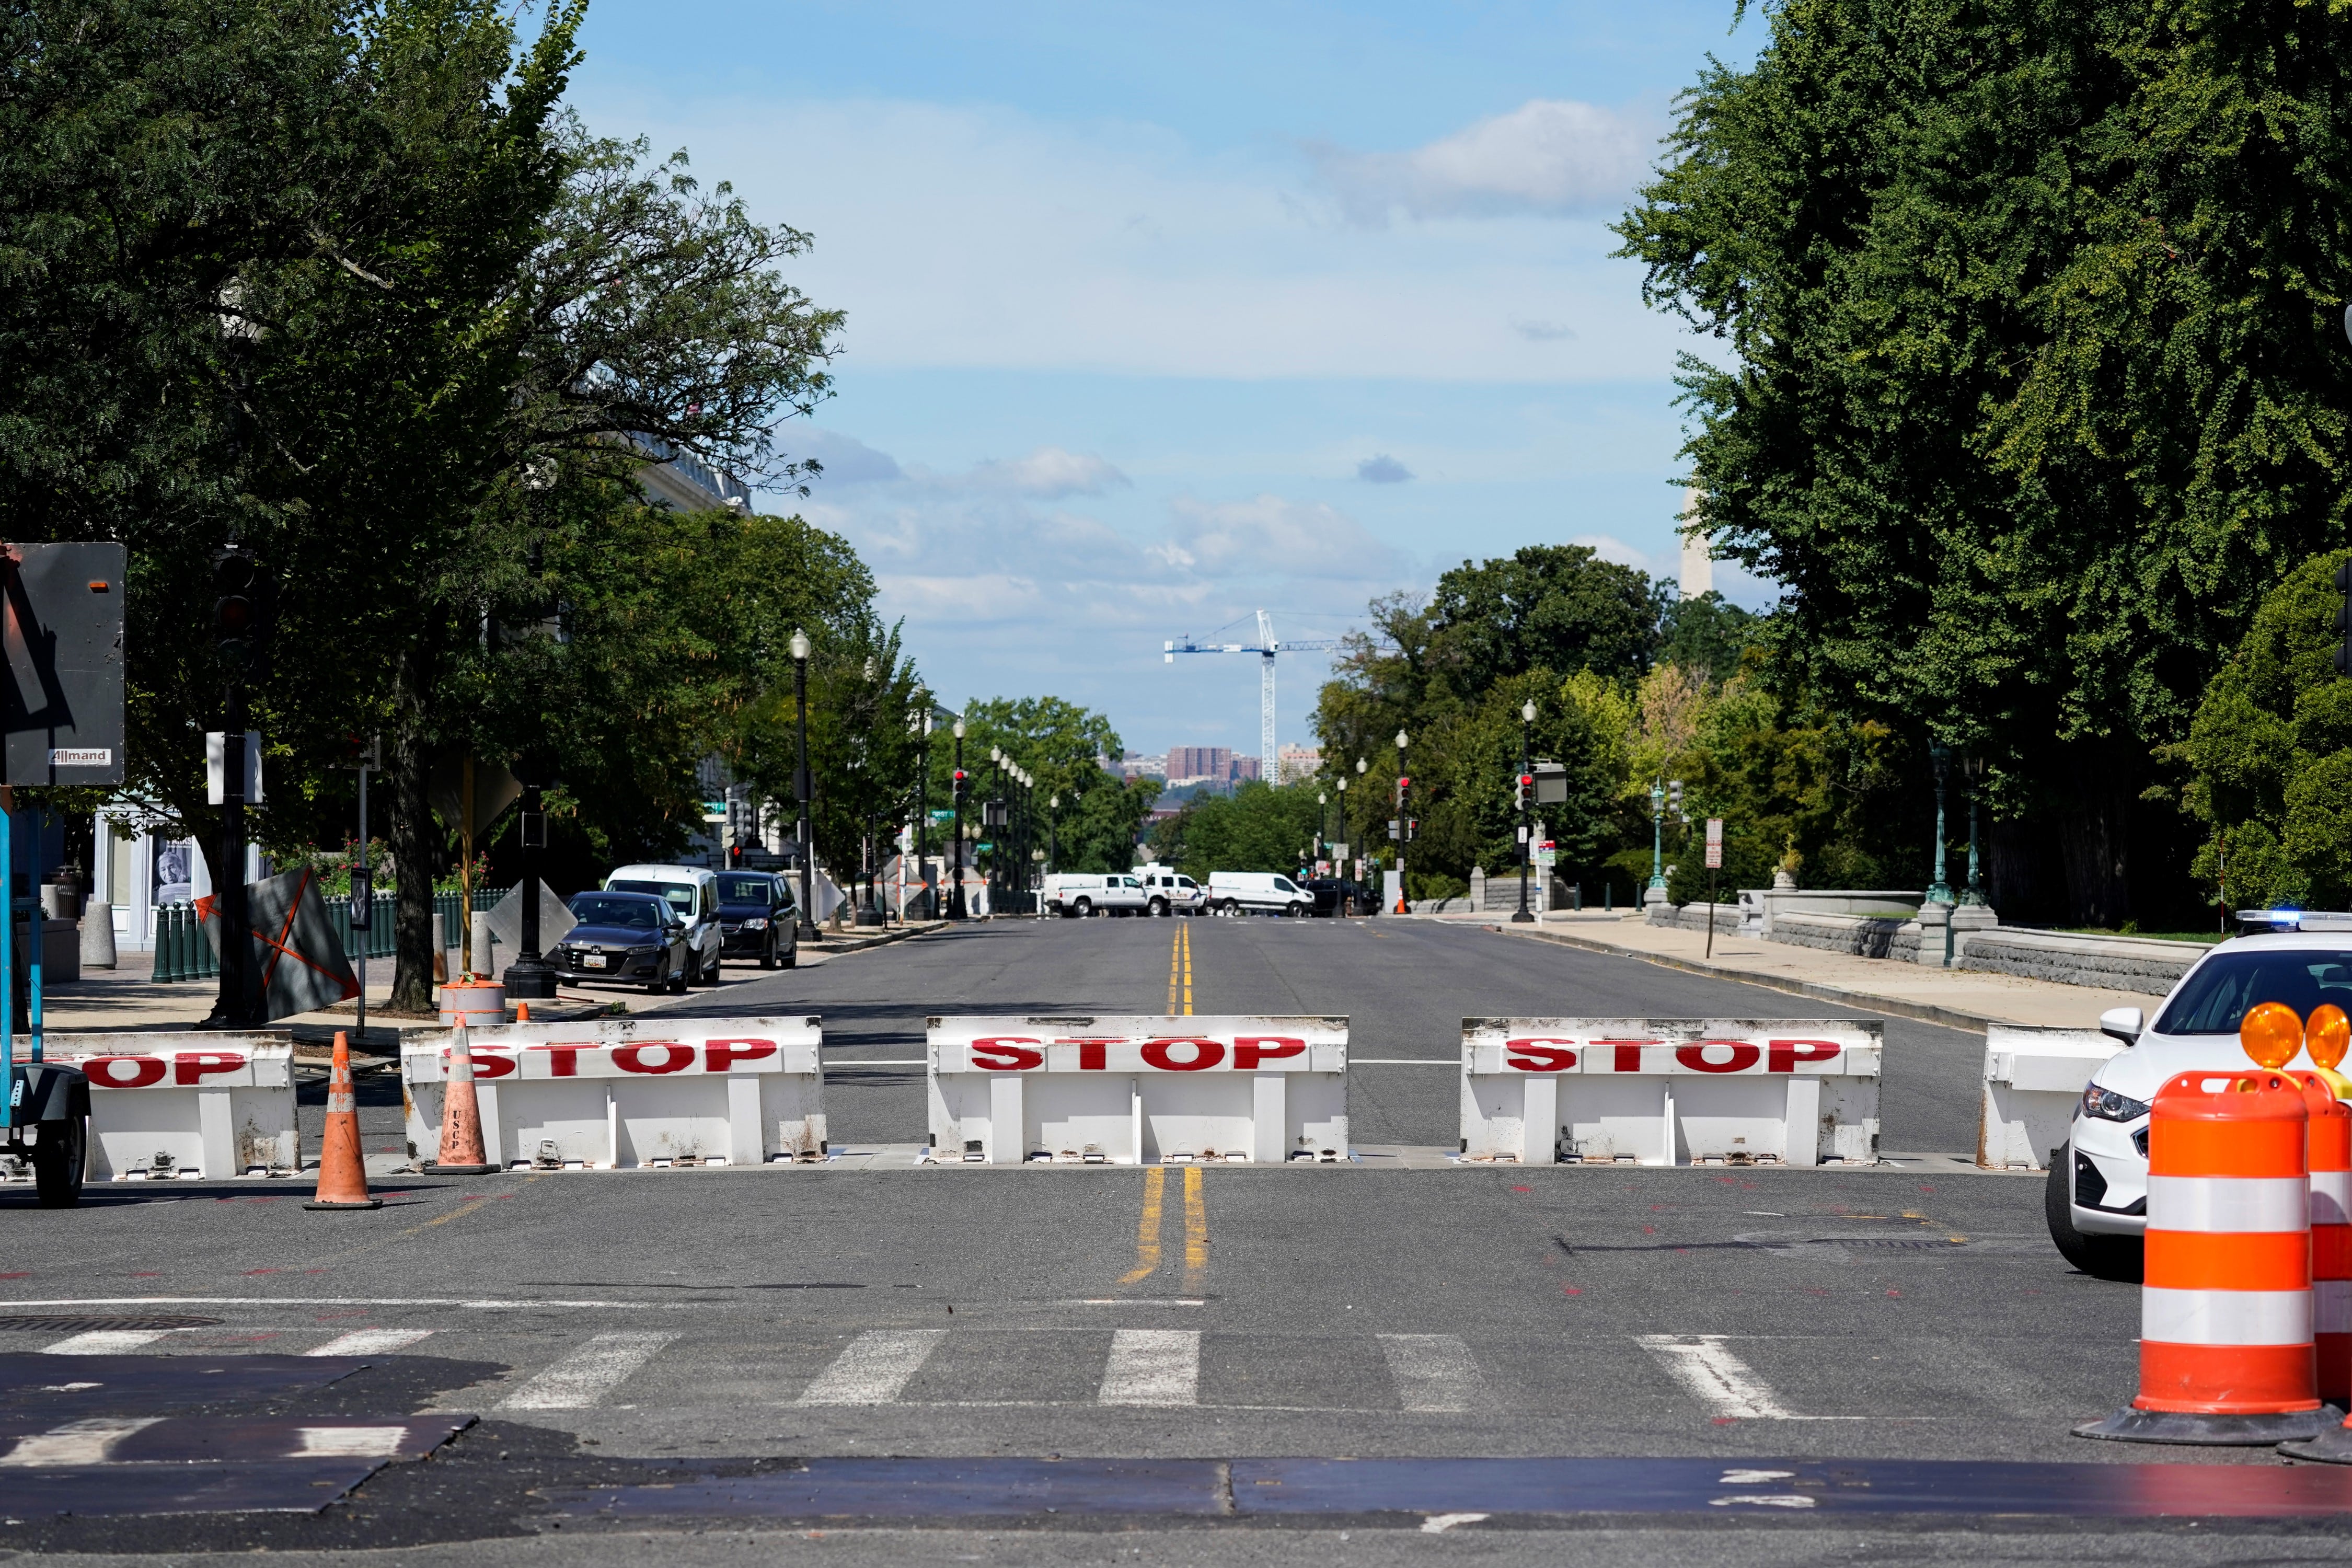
(1162, 315)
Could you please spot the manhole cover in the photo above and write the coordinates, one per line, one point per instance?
(66, 1325)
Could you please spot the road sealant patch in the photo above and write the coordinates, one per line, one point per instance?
(1501, 1489)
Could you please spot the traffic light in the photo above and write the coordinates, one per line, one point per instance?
(2343, 619)
(1674, 797)
(960, 777)
(243, 598)
(1412, 828)
(735, 856)
(1527, 791)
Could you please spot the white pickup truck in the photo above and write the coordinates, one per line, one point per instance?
(1167, 892)
(1077, 894)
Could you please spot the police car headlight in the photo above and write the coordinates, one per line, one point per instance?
(2108, 1106)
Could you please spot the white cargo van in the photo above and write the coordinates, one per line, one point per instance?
(1078, 894)
(1257, 893)
(1166, 892)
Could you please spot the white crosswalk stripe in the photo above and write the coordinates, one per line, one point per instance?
(1716, 1377)
(76, 1442)
(584, 1377)
(105, 1341)
(1432, 1372)
(370, 1341)
(876, 1367)
(1152, 1366)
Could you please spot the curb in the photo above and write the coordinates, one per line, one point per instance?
(859, 944)
(1925, 1013)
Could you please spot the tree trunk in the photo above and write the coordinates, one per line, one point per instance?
(415, 941)
(2095, 835)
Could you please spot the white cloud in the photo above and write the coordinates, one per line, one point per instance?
(1549, 156)
(1270, 535)
(846, 459)
(1609, 547)
(1048, 474)
(987, 239)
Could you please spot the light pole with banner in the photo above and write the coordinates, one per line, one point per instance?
(956, 784)
(801, 838)
(1401, 829)
(1527, 790)
(1714, 865)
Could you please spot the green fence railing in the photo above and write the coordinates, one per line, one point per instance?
(183, 950)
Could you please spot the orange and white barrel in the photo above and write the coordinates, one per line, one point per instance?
(2331, 1235)
(2225, 1308)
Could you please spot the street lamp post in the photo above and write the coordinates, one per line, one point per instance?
(955, 878)
(923, 784)
(1939, 891)
(1053, 834)
(1657, 893)
(1974, 895)
(1527, 789)
(800, 782)
(1404, 824)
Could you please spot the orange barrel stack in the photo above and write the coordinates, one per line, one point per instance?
(2226, 1349)
(2326, 1038)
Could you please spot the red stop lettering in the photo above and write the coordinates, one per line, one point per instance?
(124, 1072)
(562, 1062)
(490, 1061)
(1695, 1056)
(1094, 1056)
(1625, 1056)
(1161, 1055)
(718, 1055)
(1251, 1049)
(194, 1067)
(676, 1057)
(1784, 1054)
(1541, 1056)
(1006, 1054)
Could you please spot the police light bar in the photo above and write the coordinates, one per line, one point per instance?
(2251, 922)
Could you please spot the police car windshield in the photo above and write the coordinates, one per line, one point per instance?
(630, 914)
(2217, 995)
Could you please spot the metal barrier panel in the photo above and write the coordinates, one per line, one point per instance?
(2034, 1080)
(1670, 1091)
(627, 1094)
(1138, 1090)
(185, 1105)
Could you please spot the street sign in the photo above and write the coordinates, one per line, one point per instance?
(942, 814)
(1547, 854)
(1714, 844)
(62, 713)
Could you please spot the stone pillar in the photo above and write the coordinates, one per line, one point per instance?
(1968, 917)
(1477, 889)
(1933, 922)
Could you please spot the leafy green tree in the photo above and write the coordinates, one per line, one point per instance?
(2270, 756)
(1259, 827)
(1065, 747)
(2034, 381)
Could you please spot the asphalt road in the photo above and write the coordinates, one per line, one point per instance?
(620, 1330)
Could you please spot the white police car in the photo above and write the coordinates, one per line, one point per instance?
(2096, 1202)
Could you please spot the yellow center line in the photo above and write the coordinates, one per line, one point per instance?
(1147, 1230)
(1196, 1231)
(1184, 935)
(1175, 964)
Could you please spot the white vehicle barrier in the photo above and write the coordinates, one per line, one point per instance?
(185, 1105)
(1670, 1091)
(627, 1094)
(2034, 1080)
(1139, 1090)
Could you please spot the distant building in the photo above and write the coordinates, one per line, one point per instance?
(1187, 763)
(1136, 765)
(1244, 768)
(1298, 763)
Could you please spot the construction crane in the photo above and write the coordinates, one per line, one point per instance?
(1265, 647)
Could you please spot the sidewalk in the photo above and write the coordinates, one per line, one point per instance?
(1960, 997)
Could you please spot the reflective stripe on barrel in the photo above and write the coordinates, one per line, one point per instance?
(2226, 1310)
(2331, 1235)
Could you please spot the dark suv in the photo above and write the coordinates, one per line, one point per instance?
(1336, 897)
(757, 918)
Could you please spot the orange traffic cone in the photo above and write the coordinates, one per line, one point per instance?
(461, 1116)
(342, 1173)
(522, 1011)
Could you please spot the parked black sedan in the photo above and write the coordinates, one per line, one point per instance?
(757, 917)
(627, 939)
